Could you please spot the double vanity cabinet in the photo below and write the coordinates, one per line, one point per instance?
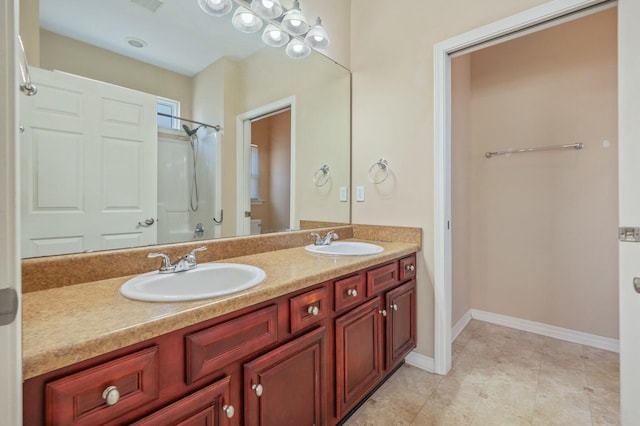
(308, 357)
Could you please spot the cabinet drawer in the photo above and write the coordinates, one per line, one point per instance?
(349, 292)
(78, 399)
(382, 278)
(308, 308)
(215, 347)
(408, 267)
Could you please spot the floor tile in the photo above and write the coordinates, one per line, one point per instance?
(501, 376)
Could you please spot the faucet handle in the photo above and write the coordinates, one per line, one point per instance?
(316, 236)
(166, 262)
(193, 252)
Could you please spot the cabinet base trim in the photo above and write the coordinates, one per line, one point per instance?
(420, 361)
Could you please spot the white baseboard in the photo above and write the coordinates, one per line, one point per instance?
(460, 325)
(420, 361)
(569, 335)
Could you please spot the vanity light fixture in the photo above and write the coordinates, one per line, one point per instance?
(216, 7)
(284, 26)
(268, 9)
(294, 21)
(274, 36)
(246, 21)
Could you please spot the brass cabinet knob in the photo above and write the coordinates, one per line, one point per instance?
(111, 395)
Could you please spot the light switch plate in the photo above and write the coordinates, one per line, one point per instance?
(359, 193)
(343, 193)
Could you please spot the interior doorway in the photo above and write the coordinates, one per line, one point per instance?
(529, 21)
(266, 169)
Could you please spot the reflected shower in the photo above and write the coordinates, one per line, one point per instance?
(194, 199)
(190, 132)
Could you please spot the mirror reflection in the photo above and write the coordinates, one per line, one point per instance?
(247, 141)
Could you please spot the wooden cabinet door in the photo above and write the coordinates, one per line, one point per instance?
(286, 386)
(358, 354)
(401, 323)
(207, 407)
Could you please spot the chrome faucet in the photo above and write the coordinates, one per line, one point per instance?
(184, 263)
(320, 241)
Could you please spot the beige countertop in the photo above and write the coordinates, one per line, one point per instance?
(66, 325)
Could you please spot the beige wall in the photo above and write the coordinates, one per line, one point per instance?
(393, 114)
(30, 30)
(321, 118)
(542, 234)
(75, 57)
(214, 92)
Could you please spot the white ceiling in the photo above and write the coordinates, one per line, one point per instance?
(179, 35)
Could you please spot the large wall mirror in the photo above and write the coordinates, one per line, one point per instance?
(102, 170)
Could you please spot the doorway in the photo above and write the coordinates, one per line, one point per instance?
(546, 15)
(266, 169)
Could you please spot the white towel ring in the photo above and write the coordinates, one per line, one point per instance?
(321, 176)
(383, 165)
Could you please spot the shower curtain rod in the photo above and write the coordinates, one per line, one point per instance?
(541, 148)
(216, 127)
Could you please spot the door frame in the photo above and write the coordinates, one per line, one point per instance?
(10, 335)
(513, 26)
(243, 143)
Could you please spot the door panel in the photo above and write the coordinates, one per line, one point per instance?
(358, 354)
(292, 384)
(89, 156)
(10, 339)
(629, 206)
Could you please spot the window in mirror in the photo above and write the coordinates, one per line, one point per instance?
(254, 173)
(168, 107)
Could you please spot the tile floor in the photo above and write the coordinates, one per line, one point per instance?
(501, 376)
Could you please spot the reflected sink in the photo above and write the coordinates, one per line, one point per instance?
(207, 280)
(346, 248)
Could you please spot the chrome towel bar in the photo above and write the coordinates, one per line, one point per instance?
(541, 148)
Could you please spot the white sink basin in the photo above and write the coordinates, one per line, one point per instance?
(207, 280)
(346, 248)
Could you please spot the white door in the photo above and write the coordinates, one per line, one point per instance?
(89, 166)
(10, 334)
(629, 206)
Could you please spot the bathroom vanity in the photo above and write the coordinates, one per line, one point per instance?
(305, 347)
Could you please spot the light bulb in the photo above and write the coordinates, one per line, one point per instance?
(244, 20)
(294, 21)
(268, 9)
(274, 36)
(317, 36)
(216, 7)
(297, 49)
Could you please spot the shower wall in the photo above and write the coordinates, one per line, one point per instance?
(535, 234)
(176, 220)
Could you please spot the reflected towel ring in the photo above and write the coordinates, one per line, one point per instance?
(321, 176)
(383, 165)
